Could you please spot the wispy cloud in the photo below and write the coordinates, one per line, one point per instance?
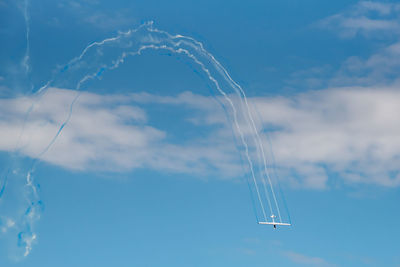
(247, 251)
(374, 20)
(366, 18)
(89, 12)
(9, 223)
(352, 132)
(110, 21)
(107, 133)
(380, 68)
(307, 260)
(348, 131)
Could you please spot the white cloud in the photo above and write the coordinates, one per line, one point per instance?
(106, 132)
(381, 8)
(380, 21)
(306, 260)
(380, 68)
(350, 132)
(366, 18)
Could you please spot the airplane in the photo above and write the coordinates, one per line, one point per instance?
(274, 223)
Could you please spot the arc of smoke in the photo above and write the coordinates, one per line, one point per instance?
(242, 97)
(175, 42)
(216, 64)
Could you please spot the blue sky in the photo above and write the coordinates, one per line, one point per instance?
(151, 168)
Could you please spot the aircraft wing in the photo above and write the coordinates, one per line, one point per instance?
(275, 223)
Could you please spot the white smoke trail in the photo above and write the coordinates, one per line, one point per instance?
(21, 224)
(92, 63)
(26, 60)
(17, 221)
(146, 37)
(239, 91)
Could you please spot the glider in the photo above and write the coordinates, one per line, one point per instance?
(274, 223)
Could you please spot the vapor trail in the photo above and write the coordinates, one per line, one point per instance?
(146, 37)
(24, 224)
(26, 59)
(92, 62)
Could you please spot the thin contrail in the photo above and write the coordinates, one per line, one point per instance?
(26, 60)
